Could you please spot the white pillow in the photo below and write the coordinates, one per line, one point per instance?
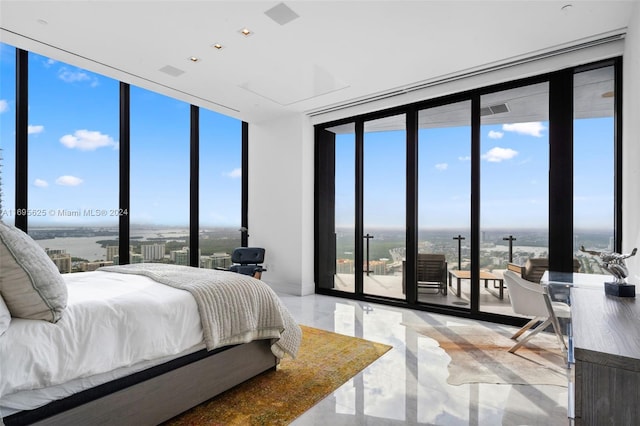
(30, 284)
(5, 317)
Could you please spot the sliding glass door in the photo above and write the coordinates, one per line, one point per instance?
(444, 202)
(514, 176)
(384, 212)
(431, 203)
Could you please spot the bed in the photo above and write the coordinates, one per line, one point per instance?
(134, 344)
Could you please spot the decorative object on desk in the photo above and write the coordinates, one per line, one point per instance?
(614, 264)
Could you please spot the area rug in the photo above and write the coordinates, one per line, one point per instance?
(480, 354)
(325, 361)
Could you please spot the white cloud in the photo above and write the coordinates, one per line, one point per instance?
(68, 180)
(532, 129)
(32, 130)
(497, 154)
(69, 76)
(495, 135)
(467, 158)
(4, 106)
(235, 173)
(442, 166)
(41, 183)
(77, 76)
(87, 140)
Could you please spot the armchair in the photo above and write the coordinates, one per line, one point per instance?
(247, 261)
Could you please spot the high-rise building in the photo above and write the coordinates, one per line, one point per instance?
(180, 257)
(61, 259)
(133, 258)
(152, 252)
(112, 251)
(216, 260)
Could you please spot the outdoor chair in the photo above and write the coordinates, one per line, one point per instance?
(431, 271)
(531, 299)
(534, 268)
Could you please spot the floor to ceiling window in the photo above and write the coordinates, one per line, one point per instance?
(73, 178)
(446, 193)
(345, 212)
(514, 189)
(593, 165)
(384, 211)
(73, 163)
(7, 132)
(444, 202)
(220, 188)
(159, 178)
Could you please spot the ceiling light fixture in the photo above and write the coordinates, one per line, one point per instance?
(217, 46)
(566, 7)
(246, 32)
(194, 58)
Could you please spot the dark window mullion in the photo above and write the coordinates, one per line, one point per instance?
(561, 171)
(409, 272)
(617, 151)
(22, 137)
(475, 203)
(194, 188)
(125, 173)
(359, 205)
(244, 215)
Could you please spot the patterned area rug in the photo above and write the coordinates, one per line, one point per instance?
(325, 361)
(480, 355)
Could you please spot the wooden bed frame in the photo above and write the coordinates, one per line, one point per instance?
(159, 393)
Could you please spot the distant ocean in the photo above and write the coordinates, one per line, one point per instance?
(84, 247)
(88, 248)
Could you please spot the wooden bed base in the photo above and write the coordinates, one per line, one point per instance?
(155, 395)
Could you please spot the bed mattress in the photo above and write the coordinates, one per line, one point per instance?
(114, 325)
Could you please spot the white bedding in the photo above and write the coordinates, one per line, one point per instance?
(123, 325)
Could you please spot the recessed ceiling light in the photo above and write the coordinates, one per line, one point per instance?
(42, 21)
(246, 32)
(194, 58)
(217, 46)
(566, 7)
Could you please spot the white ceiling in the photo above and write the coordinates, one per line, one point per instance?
(332, 53)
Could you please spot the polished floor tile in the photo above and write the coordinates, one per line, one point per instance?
(408, 385)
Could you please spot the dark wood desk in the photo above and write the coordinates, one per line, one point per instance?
(484, 275)
(604, 348)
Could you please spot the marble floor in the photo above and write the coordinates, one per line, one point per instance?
(408, 385)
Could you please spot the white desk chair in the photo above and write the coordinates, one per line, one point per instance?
(531, 299)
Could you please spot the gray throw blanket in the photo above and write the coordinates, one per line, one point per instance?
(234, 308)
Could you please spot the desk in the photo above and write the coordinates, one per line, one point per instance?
(484, 275)
(604, 346)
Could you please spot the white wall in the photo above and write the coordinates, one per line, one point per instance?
(631, 145)
(281, 201)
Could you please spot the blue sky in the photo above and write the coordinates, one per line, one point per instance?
(73, 161)
(514, 170)
(74, 150)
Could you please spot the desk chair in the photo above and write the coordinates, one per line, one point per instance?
(531, 299)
